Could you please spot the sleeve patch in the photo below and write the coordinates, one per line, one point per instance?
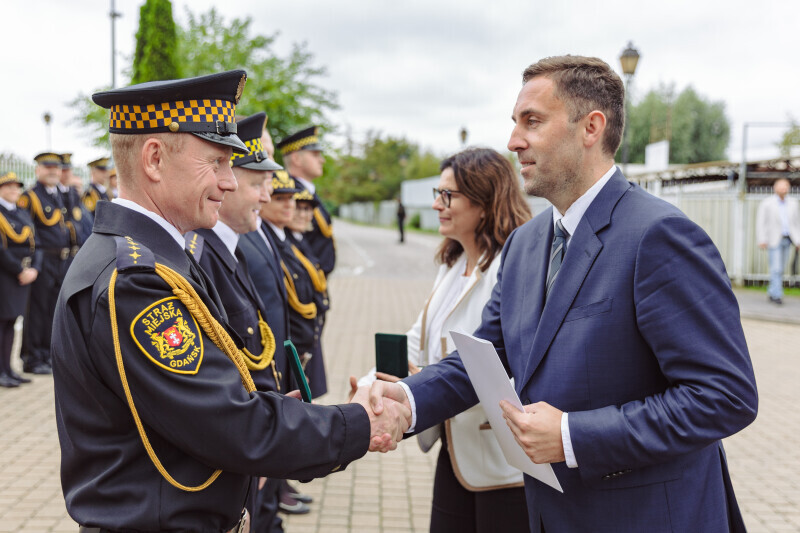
(169, 336)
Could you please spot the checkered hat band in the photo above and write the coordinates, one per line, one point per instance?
(297, 145)
(253, 145)
(142, 118)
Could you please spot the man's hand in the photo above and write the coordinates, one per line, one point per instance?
(388, 425)
(537, 431)
(27, 276)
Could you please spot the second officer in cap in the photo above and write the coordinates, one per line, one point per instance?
(160, 422)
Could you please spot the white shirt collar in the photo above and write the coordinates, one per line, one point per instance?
(169, 228)
(51, 190)
(297, 236)
(307, 184)
(266, 240)
(279, 232)
(8, 205)
(62, 187)
(228, 237)
(575, 212)
(100, 187)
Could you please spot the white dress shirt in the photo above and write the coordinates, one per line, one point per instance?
(228, 237)
(8, 205)
(307, 184)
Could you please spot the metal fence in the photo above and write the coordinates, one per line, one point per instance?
(26, 170)
(716, 211)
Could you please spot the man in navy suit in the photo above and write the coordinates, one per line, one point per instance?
(614, 314)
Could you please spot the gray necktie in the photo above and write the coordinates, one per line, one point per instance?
(557, 252)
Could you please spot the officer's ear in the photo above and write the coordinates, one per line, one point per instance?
(152, 157)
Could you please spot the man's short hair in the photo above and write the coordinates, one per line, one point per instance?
(126, 147)
(586, 84)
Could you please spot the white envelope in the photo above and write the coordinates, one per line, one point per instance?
(491, 384)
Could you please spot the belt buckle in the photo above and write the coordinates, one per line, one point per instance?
(64, 254)
(26, 262)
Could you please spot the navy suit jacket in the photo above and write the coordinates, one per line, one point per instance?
(267, 276)
(641, 343)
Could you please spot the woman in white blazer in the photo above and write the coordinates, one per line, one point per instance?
(480, 202)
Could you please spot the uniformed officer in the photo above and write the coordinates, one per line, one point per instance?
(77, 217)
(45, 206)
(19, 265)
(112, 183)
(218, 253)
(305, 203)
(100, 172)
(158, 417)
(303, 159)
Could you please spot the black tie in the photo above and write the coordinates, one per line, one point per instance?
(556, 254)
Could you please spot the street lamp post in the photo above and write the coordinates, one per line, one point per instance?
(463, 135)
(114, 14)
(628, 60)
(47, 118)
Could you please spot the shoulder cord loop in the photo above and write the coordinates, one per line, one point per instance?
(260, 362)
(38, 212)
(322, 224)
(317, 275)
(7, 231)
(213, 329)
(307, 311)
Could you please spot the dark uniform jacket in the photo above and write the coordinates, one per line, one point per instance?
(13, 256)
(189, 395)
(265, 271)
(322, 246)
(304, 332)
(48, 214)
(93, 195)
(77, 217)
(240, 299)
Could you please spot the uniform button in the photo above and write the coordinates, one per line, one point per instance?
(325, 301)
(48, 208)
(64, 210)
(294, 276)
(250, 330)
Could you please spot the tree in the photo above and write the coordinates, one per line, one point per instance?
(285, 88)
(790, 139)
(155, 55)
(375, 170)
(697, 128)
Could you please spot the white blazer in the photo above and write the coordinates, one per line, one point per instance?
(477, 459)
(768, 221)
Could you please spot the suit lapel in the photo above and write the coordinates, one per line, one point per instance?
(583, 249)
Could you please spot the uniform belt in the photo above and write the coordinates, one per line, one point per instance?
(61, 253)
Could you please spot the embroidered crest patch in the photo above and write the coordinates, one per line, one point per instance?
(169, 336)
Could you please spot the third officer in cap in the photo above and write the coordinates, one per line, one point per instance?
(100, 171)
(160, 423)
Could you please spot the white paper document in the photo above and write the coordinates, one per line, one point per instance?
(491, 384)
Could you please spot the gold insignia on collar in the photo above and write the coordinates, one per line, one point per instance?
(169, 336)
(240, 88)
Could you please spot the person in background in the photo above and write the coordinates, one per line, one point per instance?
(99, 170)
(113, 190)
(401, 219)
(45, 205)
(480, 202)
(20, 264)
(777, 230)
(77, 217)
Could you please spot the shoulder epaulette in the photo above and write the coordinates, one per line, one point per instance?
(24, 201)
(132, 255)
(195, 244)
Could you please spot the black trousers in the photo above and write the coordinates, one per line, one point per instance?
(457, 510)
(6, 342)
(264, 511)
(38, 325)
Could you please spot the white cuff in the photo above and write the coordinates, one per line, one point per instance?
(569, 454)
(412, 404)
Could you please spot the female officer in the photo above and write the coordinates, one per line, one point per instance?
(19, 266)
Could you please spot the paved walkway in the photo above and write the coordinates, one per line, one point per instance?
(380, 285)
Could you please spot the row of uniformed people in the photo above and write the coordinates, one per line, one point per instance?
(151, 379)
(61, 220)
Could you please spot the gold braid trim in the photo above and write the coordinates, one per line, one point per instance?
(213, 329)
(322, 224)
(317, 276)
(307, 311)
(37, 211)
(90, 200)
(260, 362)
(7, 231)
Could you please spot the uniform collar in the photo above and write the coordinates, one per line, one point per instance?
(281, 234)
(8, 205)
(172, 230)
(228, 237)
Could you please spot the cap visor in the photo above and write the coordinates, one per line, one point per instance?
(231, 140)
(264, 164)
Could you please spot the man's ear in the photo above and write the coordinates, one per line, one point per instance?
(153, 159)
(594, 127)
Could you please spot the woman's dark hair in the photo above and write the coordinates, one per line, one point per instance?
(488, 180)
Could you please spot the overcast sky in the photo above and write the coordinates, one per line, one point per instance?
(423, 69)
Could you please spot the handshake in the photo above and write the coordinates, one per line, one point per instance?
(389, 413)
